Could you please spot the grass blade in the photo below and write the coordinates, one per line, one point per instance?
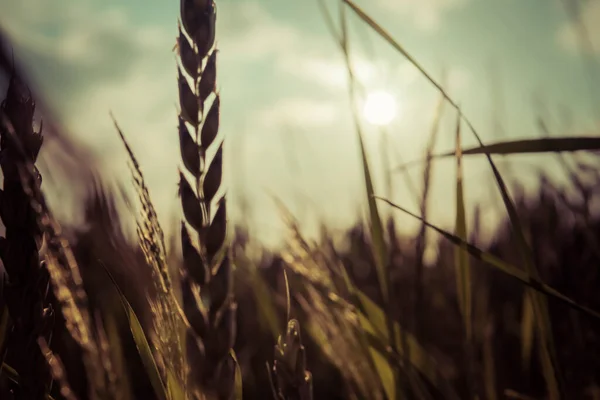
(503, 266)
(547, 348)
(376, 226)
(172, 391)
(238, 389)
(461, 256)
(522, 146)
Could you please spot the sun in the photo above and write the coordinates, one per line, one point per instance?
(380, 108)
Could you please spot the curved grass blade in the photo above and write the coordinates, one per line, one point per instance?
(523, 146)
(238, 390)
(145, 352)
(376, 226)
(375, 326)
(503, 266)
(173, 390)
(389, 377)
(418, 357)
(547, 348)
(461, 256)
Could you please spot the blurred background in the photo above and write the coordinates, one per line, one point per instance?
(518, 70)
(285, 98)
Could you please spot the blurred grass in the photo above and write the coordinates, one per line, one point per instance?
(479, 330)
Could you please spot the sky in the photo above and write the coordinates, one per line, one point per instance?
(285, 112)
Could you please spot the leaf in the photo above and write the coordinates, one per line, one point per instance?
(461, 256)
(547, 349)
(173, 390)
(523, 146)
(238, 390)
(385, 372)
(376, 227)
(502, 266)
(536, 146)
(145, 352)
(375, 326)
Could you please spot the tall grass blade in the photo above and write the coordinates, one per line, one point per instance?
(170, 391)
(461, 256)
(502, 266)
(547, 348)
(523, 146)
(238, 389)
(376, 226)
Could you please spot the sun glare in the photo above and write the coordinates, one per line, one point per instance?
(380, 108)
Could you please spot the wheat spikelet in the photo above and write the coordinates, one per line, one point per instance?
(207, 279)
(165, 319)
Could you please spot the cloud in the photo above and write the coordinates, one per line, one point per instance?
(89, 59)
(569, 35)
(426, 14)
(249, 32)
(69, 48)
(299, 112)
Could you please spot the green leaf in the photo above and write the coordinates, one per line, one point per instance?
(547, 349)
(385, 373)
(461, 256)
(524, 146)
(375, 326)
(503, 266)
(539, 145)
(238, 391)
(173, 390)
(145, 352)
(376, 227)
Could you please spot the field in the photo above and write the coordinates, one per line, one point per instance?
(202, 309)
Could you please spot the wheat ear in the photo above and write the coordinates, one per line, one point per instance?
(292, 381)
(59, 262)
(26, 292)
(207, 280)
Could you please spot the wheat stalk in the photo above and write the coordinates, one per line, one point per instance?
(59, 265)
(25, 293)
(162, 303)
(207, 293)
